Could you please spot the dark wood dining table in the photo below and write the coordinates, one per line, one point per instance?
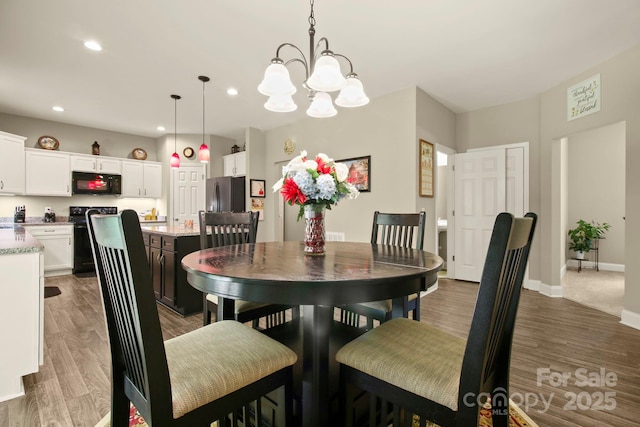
(280, 272)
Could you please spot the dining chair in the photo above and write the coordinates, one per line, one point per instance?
(193, 379)
(231, 228)
(413, 368)
(394, 229)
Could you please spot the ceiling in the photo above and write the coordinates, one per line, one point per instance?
(468, 54)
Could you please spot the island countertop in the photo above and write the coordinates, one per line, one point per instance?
(15, 240)
(171, 230)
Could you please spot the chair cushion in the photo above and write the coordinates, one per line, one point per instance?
(239, 306)
(411, 355)
(218, 359)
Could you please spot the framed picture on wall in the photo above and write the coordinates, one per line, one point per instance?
(359, 172)
(257, 205)
(257, 187)
(426, 168)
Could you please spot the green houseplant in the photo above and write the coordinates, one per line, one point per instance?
(581, 237)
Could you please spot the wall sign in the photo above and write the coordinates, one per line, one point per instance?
(583, 98)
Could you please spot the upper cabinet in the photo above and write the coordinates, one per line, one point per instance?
(235, 164)
(47, 173)
(11, 163)
(97, 164)
(141, 179)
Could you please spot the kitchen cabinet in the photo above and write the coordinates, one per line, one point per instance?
(47, 173)
(235, 164)
(11, 163)
(21, 314)
(169, 280)
(141, 179)
(96, 164)
(58, 247)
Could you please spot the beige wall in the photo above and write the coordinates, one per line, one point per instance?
(543, 122)
(388, 130)
(596, 187)
(508, 124)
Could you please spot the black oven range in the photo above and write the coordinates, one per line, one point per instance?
(82, 256)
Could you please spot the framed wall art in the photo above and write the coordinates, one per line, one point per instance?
(257, 187)
(359, 172)
(426, 169)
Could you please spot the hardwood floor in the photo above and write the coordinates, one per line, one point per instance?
(72, 387)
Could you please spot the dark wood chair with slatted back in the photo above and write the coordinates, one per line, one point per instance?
(418, 369)
(394, 229)
(232, 228)
(194, 379)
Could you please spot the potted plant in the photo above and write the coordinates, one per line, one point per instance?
(582, 236)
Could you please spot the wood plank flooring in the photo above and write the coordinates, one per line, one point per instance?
(72, 387)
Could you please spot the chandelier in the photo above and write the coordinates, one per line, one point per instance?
(322, 75)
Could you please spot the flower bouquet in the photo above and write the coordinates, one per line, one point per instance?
(314, 185)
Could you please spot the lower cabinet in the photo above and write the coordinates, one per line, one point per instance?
(58, 247)
(169, 280)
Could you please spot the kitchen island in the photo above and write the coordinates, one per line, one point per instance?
(166, 245)
(21, 308)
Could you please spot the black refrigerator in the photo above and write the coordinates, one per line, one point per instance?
(225, 194)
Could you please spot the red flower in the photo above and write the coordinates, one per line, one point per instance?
(291, 193)
(322, 166)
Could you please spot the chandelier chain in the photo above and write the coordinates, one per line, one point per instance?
(312, 18)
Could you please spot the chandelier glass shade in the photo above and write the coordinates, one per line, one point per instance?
(203, 152)
(322, 75)
(175, 157)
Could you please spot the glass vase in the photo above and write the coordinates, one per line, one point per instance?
(314, 229)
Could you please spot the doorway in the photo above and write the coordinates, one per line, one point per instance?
(592, 178)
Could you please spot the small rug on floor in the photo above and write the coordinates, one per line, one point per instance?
(51, 291)
(517, 418)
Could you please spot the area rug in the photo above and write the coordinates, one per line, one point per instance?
(517, 418)
(51, 291)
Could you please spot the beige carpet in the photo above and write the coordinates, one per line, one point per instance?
(602, 290)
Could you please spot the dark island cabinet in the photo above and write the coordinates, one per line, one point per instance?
(169, 280)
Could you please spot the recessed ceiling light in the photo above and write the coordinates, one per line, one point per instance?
(160, 128)
(57, 108)
(93, 45)
(232, 91)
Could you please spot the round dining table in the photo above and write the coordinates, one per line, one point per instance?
(281, 272)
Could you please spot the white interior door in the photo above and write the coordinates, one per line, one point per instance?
(188, 193)
(480, 194)
(515, 194)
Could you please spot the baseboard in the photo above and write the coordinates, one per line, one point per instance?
(553, 291)
(630, 319)
(604, 266)
(532, 285)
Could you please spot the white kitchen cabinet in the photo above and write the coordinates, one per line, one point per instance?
(21, 320)
(141, 179)
(47, 173)
(58, 247)
(235, 164)
(96, 164)
(11, 163)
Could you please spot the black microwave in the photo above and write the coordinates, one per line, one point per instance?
(96, 183)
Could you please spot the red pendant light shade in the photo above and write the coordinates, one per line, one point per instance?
(203, 152)
(175, 157)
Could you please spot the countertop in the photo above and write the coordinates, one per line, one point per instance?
(171, 230)
(15, 240)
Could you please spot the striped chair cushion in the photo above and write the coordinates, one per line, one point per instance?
(411, 355)
(218, 359)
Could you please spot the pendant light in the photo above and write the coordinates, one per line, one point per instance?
(203, 153)
(175, 157)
